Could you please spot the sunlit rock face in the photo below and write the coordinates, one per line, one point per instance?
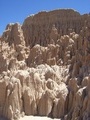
(45, 67)
(45, 26)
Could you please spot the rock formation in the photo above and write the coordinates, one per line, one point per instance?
(45, 67)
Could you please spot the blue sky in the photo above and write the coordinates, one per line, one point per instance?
(17, 10)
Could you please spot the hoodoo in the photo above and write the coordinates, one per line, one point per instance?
(45, 66)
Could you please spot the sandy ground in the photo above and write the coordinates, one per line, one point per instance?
(36, 118)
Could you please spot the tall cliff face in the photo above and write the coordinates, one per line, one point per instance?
(37, 28)
(45, 66)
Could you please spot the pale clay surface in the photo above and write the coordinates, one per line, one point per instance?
(36, 118)
(45, 67)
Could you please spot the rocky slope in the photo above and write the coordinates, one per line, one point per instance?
(45, 67)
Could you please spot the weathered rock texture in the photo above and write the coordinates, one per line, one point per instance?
(45, 66)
